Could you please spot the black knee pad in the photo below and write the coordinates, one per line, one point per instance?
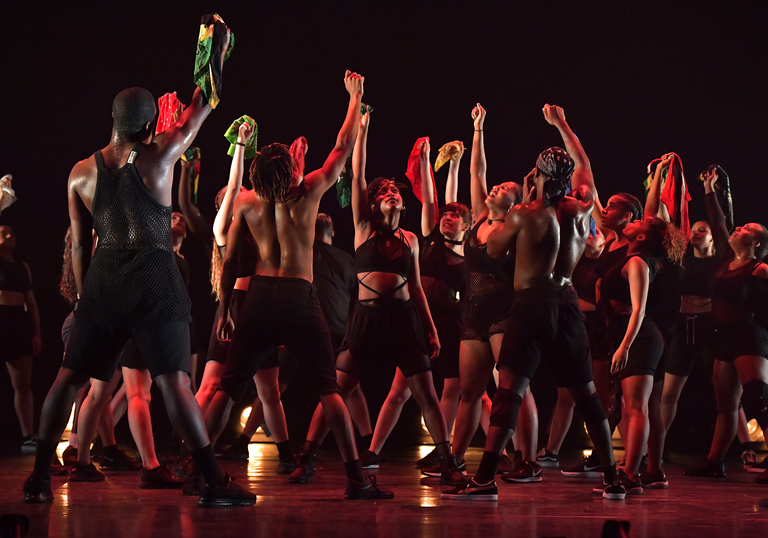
(591, 409)
(505, 409)
(755, 400)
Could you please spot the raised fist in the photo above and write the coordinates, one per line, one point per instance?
(478, 117)
(554, 115)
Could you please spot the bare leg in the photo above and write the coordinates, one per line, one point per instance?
(90, 415)
(449, 400)
(399, 393)
(658, 433)
(183, 410)
(637, 390)
(601, 371)
(217, 415)
(476, 362)
(119, 403)
(485, 413)
(423, 388)
(727, 394)
(358, 411)
(319, 427)
(561, 420)
(670, 395)
(138, 384)
(269, 394)
(210, 383)
(255, 419)
(20, 371)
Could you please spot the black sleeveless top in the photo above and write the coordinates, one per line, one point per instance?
(14, 276)
(249, 257)
(609, 258)
(696, 274)
(486, 274)
(442, 274)
(736, 295)
(615, 287)
(584, 278)
(388, 251)
(133, 279)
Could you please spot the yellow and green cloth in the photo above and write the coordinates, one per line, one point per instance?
(208, 62)
(231, 136)
(186, 157)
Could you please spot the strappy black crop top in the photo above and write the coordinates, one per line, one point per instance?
(385, 252)
(736, 294)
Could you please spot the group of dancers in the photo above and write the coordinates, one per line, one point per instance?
(531, 273)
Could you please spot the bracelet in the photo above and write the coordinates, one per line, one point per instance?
(239, 144)
(478, 130)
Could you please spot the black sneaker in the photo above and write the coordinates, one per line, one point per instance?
(526, 471)
(443, 464)
(759, 467)
(193, 485)
(505, 465)
(613, 492)
(656, 480)
(58, 468)
(707, 469)
(224, 497)
(97, 450)
(633, 486)
(160, 478)
(86, 473)
(287, 464)
(454, 471)
(366, 490)
(185, 467)
(545, 458)
(237, 451)
(119, 461)
(588, 467)
(69, 456)
(429, 460)
(370, 460)
(472, 491)
(304, 471)
(37, 490)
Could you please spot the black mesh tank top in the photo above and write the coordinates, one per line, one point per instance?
(486, 274)
(133, 279)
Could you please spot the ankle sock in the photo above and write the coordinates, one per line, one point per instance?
(73, 440)
(354, 470)
(209, 469)
(43, 458)
(487, 469)
(443, 449)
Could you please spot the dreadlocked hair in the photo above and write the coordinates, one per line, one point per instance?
(631, 205)
(272, 172)
(663, 239)
(68, 284)
(216, 260)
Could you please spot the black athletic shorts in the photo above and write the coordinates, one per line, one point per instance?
(449, 330)
(290, 362)
(747, 338)
(192, 338)
(693, 339)
(486, 314)
(597, 331)
(131, 357)
(390, 332)
(95, 350)
(646, 350)
(16, 333)
(547, 323)
(277, 311)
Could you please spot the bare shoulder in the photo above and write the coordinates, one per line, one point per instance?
(761, 271)
(413, 241)
(245, 201)
(82, 172)
(636, 264)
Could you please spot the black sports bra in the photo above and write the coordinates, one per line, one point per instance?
(385, 252)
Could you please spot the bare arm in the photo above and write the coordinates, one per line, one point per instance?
(323, 179)
(82, 225)
(452, 185)
(360, 210)
(195, 220)
(477, 165)
(582, 172)
(229, 267)
(420, 300)
(428, 209)
(653, 205)
(639, 280)
(500, 239)
(715, 216)
(224, 216)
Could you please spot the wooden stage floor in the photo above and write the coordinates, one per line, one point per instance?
(555, 507)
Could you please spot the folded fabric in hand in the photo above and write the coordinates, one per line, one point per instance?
(722, 192)
(344, 184)
(7, 194)
(451, 150)
(250, 144)
(193, 153)
(208, 61)
(166, 108)
(413, 172)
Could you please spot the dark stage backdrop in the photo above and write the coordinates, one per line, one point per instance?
(635, 81)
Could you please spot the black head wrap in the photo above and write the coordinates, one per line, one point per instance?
(557, 164)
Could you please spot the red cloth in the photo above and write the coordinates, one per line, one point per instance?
(413, 172)
(298, 150)
(676, 197)
(166, 107)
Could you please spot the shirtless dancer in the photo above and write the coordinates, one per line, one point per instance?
(548, 233)
(131, 287)
(282, 306)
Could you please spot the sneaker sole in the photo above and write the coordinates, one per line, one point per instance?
(225, 503)
(579, 474)
(614, 496)
(530, 479)
(549, 464)
(371, 466)
(634, 491)
(656, 485)
(754, 469)
(465, 497)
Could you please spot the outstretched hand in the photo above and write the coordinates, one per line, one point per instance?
(244, 132)
(478, 117)
(354, 83)
(554, 114)
(710, 178)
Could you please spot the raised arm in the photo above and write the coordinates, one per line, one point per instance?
(715, 215)
(224, 217)
(360, 208)
(582, 178)
(653, 205)
(323, 179)
(452, 185)
(477, 164)
(192, 215)
(428, 209)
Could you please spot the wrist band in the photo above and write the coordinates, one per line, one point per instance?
(239, 144)
(478, 130)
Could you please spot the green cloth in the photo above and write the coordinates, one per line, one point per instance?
(208, 62)
(344, 184)
(250, 144)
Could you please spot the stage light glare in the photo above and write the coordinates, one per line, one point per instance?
(244, 416)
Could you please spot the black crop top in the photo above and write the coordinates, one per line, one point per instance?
(609, 258)
(479, 262)
(442, 272)
(736, 295)
(584, 278)
(14, 276)
(696, 274)
(385, 252)
(615, 287)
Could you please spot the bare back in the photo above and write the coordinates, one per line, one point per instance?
(537, 244)
(573, 213)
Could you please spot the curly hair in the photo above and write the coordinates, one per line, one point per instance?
(663, 239)
(68, 284)
(216, 259)
(272, 172)
(631, 205)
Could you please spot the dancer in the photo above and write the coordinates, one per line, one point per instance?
(281, 305)
(131, 287)
(20, 336)
(548, 235)
(739, 302)
(441, 261)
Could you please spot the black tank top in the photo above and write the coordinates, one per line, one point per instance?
(735, 294)
(584, 278)
(696, 274)
(14, 276)
(615, 287)
(486, 274)
(388, 251)
(442, 274)
(609, 258)
(133, 279)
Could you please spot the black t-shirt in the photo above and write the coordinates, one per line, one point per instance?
(336, 282)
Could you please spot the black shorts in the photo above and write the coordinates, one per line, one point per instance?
(646, 350)
(280, 311)
(289, 362)
(693, 339)
(547, 323)
(747, 338)
(390, 332)
(66, 328)
(597, 331)
(131, 357)
(95, 350)
(16, 333)
(217, 350)
(486, 314)
(449, 330)
(192, 338)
